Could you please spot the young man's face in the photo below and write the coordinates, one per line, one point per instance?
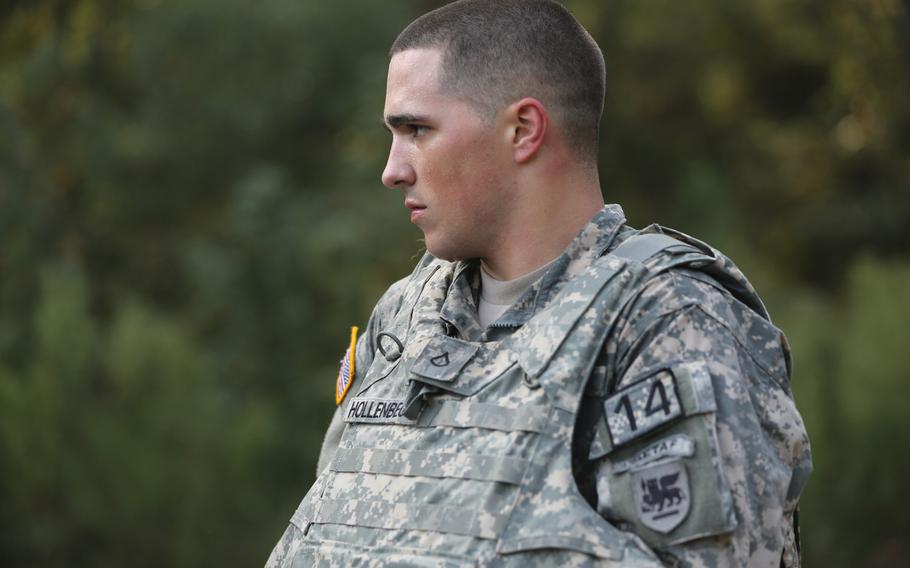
(450, 165)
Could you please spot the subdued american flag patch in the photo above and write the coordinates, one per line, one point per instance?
(346, 371)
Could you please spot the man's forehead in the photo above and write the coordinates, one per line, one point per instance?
(423, 62)
(412, 83)
(414, 72)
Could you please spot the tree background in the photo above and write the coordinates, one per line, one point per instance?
(191, 218)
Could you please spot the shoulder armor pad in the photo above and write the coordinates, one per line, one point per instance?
(661, 248)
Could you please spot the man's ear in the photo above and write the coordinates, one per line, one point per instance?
(528, 126)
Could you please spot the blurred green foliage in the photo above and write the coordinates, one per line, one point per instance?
(191, 218)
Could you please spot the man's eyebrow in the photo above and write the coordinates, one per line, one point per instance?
(396, 120)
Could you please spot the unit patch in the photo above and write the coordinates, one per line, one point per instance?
(671, 447)
(662, 497)
(346, 371)
(642, 407)
(377, 410)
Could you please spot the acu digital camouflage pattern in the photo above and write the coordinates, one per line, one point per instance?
(479, 471)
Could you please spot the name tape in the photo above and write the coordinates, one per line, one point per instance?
(671, 447)
(377, 411)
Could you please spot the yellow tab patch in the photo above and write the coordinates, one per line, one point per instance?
(346, 372)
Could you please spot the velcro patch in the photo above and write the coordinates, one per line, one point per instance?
(346, 371)
(443, 358)
(662, 496)
(642, 407)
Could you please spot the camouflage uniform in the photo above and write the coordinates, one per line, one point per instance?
(683, 433)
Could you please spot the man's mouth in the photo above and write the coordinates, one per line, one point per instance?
(415, 208)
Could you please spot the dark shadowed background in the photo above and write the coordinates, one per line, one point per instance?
(191, 218)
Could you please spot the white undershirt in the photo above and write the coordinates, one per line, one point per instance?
(496, 296)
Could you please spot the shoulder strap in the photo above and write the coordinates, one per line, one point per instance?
(645, 246)
(638, 258)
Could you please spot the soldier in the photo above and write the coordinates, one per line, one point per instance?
(549, 387)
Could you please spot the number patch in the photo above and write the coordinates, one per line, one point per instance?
(636, 410)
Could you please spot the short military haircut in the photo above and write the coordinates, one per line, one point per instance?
(496, 52)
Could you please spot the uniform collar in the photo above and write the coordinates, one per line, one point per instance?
(460, 307)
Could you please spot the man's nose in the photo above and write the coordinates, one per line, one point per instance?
(398, 171)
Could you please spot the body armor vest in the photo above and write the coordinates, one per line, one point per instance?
(458, 453)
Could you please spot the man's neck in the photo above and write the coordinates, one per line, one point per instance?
(544, 231)
(497, 295)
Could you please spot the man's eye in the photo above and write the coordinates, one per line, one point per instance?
(417, 129)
